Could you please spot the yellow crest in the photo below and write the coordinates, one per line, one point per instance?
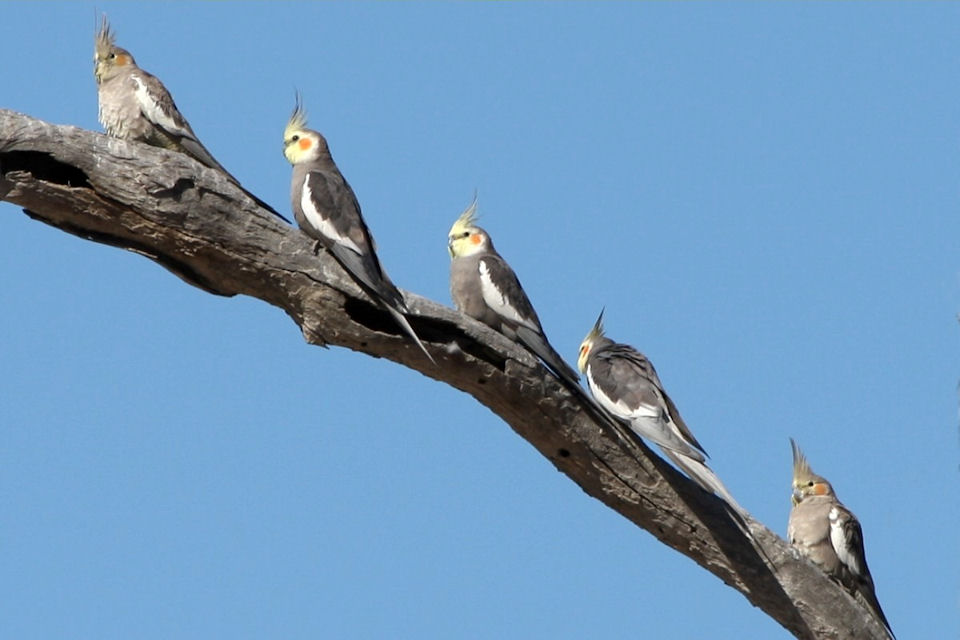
(467, 219)
(587, 345)
(298, 119)
(597, 330)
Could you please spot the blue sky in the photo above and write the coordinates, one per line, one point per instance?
(764, 196)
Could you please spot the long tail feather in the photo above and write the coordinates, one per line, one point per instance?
(705, 477)
(537, 343)
(405, 325)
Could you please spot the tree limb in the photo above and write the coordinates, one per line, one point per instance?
(191, 220)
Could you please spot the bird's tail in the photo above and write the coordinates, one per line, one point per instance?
(865, 592)
(265, 205)
(197, 151)
(700, 473)
(405, 325)
(537, 343)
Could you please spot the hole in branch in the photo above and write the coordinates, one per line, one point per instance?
(43, 166)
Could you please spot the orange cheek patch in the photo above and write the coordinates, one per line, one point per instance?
(305, 143)
(476, 239)
(820, 489)
(123, 60)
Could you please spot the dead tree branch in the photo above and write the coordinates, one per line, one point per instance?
(194, 222)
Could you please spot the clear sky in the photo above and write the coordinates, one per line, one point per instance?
(764, 196)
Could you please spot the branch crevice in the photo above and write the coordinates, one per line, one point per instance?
(112, 192)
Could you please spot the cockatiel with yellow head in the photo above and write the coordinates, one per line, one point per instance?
(327, 210)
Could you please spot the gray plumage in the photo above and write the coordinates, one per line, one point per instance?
(822, 529)
(327, 210)
(484, 287)
(625, 383)
(134, 105)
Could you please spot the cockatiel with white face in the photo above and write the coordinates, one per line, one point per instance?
(134, 105)
(327, 210)
(625, 383)
(827, 533)
(484, 287)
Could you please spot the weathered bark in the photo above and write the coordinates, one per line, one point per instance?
(194, 222)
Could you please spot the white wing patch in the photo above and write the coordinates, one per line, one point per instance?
(320, 223)
(493, 296)
(151, 109)
(620, 408)
(841, 546)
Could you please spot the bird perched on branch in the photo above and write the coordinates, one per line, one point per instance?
(625, 383)
(484, 287)
(134, 105)
(827, 533)
(326, 209)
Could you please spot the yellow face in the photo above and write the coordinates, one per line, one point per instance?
(588, 342)
(466, 241)
(585, 348)
(300, 145)
(464, 238)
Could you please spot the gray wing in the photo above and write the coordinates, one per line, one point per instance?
(157, 106)
(630, 385)
(172, 130)
(504, 295)
(333, 214)
(846, 537)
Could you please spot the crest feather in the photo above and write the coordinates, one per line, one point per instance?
(104, 40)
(801, 468)
(597, 330)
(298, 119)
(467, 219)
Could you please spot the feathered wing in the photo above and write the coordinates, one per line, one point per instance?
(504, 295)
(333, 214)
(332, 209)
(846, 537)
(537, 343)
(625, 383)
(157, 106)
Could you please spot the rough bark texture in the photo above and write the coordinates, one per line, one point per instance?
(194, 222)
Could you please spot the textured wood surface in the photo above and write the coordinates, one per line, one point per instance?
(194, 222)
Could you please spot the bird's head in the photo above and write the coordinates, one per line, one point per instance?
(108, 59)
(805, 482)
(299, 143)
(589, 342)
(465, 238)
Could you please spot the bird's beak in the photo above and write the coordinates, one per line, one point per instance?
(450, 247)
(796, 496)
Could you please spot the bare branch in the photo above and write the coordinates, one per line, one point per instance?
(194, 222)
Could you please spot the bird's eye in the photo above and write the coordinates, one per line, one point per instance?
(810, 484)
(466, 234)
(294, 138)
(112, 56)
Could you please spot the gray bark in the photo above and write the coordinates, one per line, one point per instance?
(194, 222)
